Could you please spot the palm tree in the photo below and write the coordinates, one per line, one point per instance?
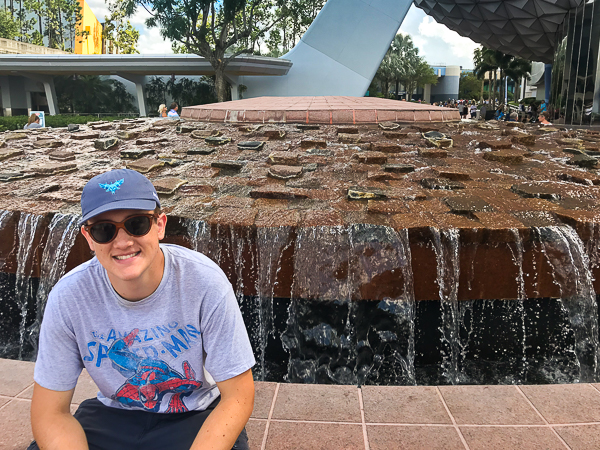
(517, 69)
(486, 60)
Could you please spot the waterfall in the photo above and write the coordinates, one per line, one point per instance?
(62, 231)
(518, 306)
(4, 217)
(381, 261)
(271, 245)
(564, 251)
(446, 244)
(27, 230)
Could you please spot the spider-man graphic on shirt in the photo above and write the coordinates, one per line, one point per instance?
(149, 380)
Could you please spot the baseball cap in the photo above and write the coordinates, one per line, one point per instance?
(117, 189)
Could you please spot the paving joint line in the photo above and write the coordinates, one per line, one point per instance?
(269, 417)
(362, 418)
(542, 417)
(13, 398)
(460, 435)
(315, 421)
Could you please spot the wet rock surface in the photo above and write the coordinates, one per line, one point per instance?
(405, 170)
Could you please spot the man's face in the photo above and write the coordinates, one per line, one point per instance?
(129, 258)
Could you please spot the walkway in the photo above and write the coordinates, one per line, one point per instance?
(313, 417)
(320, 110)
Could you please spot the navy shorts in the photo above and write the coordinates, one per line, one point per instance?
(109, 428)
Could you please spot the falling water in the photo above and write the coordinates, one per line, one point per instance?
(62, 232)
(380, 258)
(272, 243)
(320, 280)
(446, 246)
(27, 230)
(518, 306)
(564, 251)
(4, 217)
(199, 233)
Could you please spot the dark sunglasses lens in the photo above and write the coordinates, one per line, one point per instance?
(103, 232)
(138, 226)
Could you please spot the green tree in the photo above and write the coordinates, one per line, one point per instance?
(488, 60)
(469, 86)
(119, 31)
(296, 17)
(185, 91)
(9, 26)
(84, 93)
(156, 93)
(407, 57)
(420, 74)
(485, 61)
(403, 65)
(214, 29)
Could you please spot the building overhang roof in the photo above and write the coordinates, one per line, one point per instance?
(138, 65)
(523, 28)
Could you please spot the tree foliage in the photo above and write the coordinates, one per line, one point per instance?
(54, 23)
(469, 87)
(218, 30)
(122, 36)
(296, 19)
(491, 61)
(9, 26)
(183, 90)
(403, 65)
(92, 94)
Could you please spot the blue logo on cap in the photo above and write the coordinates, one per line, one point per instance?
(112, 187)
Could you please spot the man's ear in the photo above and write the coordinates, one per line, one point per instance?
(161, 223)
(88, 238)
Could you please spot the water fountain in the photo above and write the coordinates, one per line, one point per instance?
(423, 286)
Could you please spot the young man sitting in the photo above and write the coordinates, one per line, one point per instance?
(157, 327)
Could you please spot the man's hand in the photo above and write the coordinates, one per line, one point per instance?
(54, 427)
(228, 419)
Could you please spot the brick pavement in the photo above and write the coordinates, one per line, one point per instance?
(319, 110)
(310, 417)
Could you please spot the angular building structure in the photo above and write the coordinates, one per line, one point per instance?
(342, 49)
(564, 34)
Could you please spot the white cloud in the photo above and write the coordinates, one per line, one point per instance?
(152, 43)
(437, 43)
(459, 46)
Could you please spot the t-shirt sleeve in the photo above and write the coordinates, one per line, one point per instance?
(225, 339)
(59, 363)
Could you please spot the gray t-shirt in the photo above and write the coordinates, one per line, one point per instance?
(153, 354)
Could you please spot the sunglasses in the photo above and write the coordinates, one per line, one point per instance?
(106, 231)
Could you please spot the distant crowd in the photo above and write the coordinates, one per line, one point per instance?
(536, 111)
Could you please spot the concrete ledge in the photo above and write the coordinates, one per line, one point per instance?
(297, 416)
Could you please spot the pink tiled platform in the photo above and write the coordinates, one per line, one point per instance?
(314, 417)
(319, 110)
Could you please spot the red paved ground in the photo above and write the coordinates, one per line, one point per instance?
(314, 417)
(319, 110)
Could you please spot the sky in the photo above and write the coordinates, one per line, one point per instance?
(436, 43)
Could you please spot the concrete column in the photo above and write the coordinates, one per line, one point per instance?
(6, 100)
(427, 93)
(140, 90)
(233, 81)
(51, 98)
(547, 81)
